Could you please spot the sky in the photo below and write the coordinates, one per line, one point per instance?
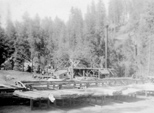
(44, 8)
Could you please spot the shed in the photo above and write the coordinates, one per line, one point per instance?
(104, 73)
(61, 74)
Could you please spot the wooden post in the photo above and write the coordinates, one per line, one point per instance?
(87, 85)
(47, 84)
(31, 104)
(102, 99)
(63, 102)
(80, 85)
(146, 93)
(39, 102)
(106, 46)
(149, 59)
(98, 74)
(96, 83)
(53, 86)
(84, 73)
(74, 85)
(72, 73)
(60, 86)
(96, 99)
(70, 101)
(73, 99)
(48, 103)
(93, 72)
(55, 103)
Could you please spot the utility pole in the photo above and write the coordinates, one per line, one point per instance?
(149, 56)
(106, 47)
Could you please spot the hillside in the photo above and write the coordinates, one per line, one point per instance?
(10, 76)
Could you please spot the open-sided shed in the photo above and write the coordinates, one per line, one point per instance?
(91, 72)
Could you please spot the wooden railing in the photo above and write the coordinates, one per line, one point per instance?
(51, 85)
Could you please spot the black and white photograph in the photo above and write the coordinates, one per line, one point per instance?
(76, 56)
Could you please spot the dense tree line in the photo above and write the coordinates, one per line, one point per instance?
(46, 42)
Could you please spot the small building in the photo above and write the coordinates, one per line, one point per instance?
(91, 72)
(104, 73)
(61, 74)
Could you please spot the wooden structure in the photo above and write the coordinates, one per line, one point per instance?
(57, 95)
(71, 84)
(73, 90)
(91, 72)
(7, 90)
(75, 94)
(61, 74)
(87, 90)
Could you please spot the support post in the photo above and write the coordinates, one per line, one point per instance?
(55, 103)
(84, 73)
(98, 74)
(70, 101)
(106, 46)
(53, 86)
(48, 103)
(63, 102)
(102, 100)
(31, 104)
(74, 85)
(47, 85)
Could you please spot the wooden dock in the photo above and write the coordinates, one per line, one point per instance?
(57, 95)
(71, 94)
(72, 90)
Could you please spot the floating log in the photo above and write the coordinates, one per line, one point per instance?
(58, 94)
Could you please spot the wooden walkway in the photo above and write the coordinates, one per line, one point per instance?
(70, 84)
(71, 89)
(71, 94)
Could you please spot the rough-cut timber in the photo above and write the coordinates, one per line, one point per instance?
(58, 94)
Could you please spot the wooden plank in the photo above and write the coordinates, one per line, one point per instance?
(47, 85)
